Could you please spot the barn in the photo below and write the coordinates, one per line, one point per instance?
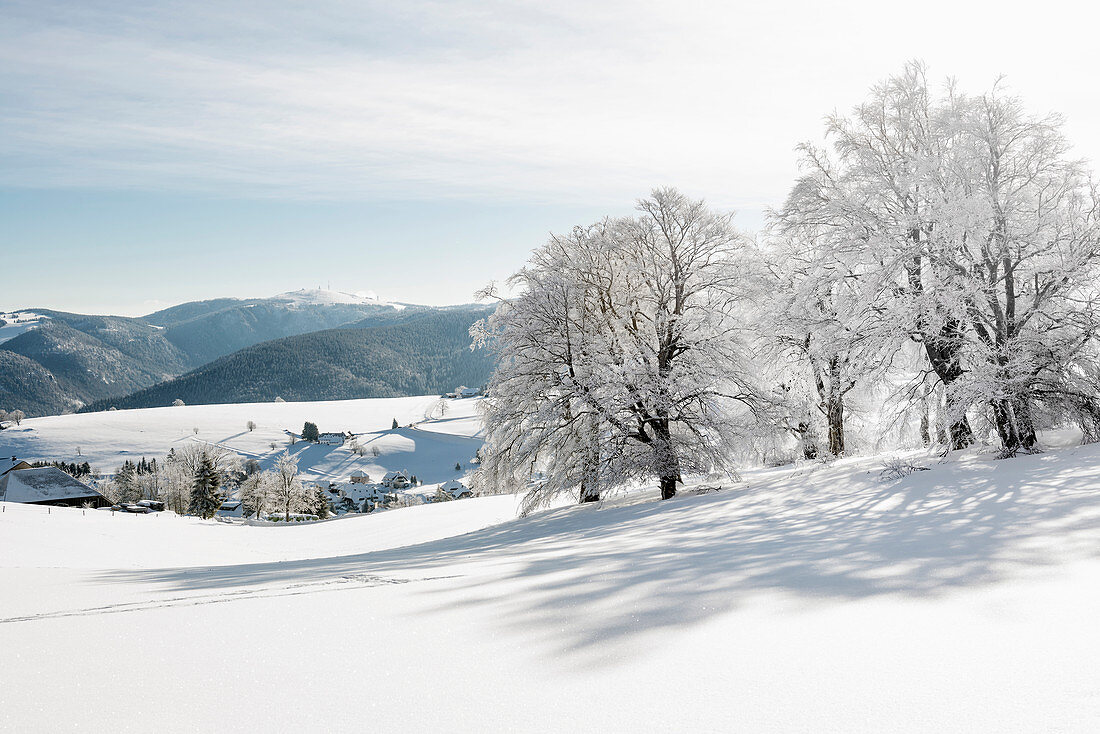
(47, 486)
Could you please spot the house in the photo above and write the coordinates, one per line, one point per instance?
(396, 479)
(358, 497)
(231, 508)
(332, 438)
(360, 477)
(466, 392)
(7, 465)
(47, 485)
(456, 489)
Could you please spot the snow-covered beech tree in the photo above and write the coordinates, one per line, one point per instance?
(966, 228)
(624, 355)
(809, 315)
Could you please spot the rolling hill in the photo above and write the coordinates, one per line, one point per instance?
(428, 353)
(77, 359)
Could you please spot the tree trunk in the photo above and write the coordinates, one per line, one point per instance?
(668, 487)
(590, 473)
(669, 465)
(1014, 423)
(835, 414)
(943, 355)
(806, 437)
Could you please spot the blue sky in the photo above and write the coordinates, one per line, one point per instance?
(152, 153)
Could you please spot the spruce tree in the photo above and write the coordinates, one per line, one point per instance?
(204, 491)
(320, 503)
(395, 424)
(310, 432)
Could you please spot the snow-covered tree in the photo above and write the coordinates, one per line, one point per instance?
(287, 491)
(257, 492)
(623, 356)
(964, 227)
(205, 499)
(16, 416)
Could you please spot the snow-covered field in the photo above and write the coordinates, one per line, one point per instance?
(429, 450)
(819, 598)
(17, 322)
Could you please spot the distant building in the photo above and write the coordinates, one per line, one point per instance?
(231, 508)
(396, 479)
(466, 392)
(360, 477)
(332, 439)
(456, 489)
(47, 486)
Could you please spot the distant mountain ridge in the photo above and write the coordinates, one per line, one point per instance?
(73, 360)
(427, 353)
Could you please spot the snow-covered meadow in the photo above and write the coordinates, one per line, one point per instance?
(428, 442)
(812, 598)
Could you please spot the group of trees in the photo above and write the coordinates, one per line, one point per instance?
(78, 471)
(196, 478)
(959, 224)
(939, 255)
(15, 416)
(281, 489)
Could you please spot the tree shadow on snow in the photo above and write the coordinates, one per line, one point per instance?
(578, 577)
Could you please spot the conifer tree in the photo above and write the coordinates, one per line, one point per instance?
(204, 491)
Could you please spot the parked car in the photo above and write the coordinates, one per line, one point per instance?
(153, 505)
(131, 507)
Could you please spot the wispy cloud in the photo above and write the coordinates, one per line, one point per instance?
(531, 100)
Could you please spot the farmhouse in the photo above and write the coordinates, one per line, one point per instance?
(456, 489)
(360, 477)
(47, 486)
(358, 497)
(332, 438)
(396, 479)
(466, 392)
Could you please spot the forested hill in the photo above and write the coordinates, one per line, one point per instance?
(429, 353)
(71, 360)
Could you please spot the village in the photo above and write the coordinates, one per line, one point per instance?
(339, 472)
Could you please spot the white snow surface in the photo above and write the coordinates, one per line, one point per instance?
(815, 598)
(17, 322)
(429, 449)
(325, 297)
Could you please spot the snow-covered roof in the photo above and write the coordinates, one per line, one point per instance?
(452, 485)
(394, 475)
(47, 484)
(7, 464)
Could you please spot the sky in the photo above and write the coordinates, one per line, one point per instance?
(159, 152)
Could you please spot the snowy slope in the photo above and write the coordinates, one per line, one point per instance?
(818, 598)
(106, 439)
(17, 322)
(325, 297)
